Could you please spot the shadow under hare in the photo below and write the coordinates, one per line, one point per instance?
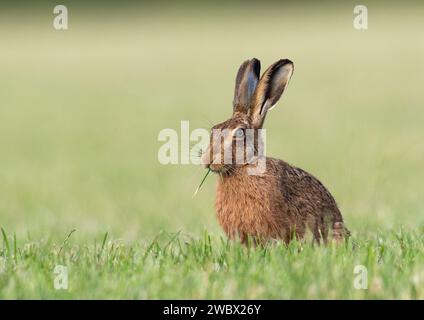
(280, 201)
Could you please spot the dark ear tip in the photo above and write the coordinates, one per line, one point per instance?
(256, 66)
(283, 62)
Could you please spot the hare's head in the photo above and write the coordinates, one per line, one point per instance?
(234, 142)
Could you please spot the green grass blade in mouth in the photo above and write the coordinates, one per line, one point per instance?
(201, 183)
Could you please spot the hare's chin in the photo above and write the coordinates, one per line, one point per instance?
(219, 169)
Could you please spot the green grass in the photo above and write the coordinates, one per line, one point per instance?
(80, 112)
(174, 266)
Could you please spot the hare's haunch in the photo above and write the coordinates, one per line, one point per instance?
(279, 201)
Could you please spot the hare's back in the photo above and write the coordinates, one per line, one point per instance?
(300, 190)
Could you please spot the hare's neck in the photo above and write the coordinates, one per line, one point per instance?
(234, 180)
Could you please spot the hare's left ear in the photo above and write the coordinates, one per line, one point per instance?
(269, 90)
(246, 81)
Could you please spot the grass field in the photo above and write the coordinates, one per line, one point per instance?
(80, 111)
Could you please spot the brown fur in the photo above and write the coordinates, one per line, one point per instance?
(284, 201)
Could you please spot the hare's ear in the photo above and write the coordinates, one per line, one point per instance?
(269, 90)
(246, 81)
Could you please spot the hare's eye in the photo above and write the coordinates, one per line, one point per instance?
(239, 133)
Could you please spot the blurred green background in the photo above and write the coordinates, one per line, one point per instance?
(81, 109)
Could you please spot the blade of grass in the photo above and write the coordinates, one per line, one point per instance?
(201, 183)
(103, 245)
(15, 251)
(5, 242)
(175, 236)
(151, 245)
(66, 240)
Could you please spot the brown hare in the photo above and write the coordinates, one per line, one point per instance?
(282, 201)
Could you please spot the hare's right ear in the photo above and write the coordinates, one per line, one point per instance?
(269, 90)
(246, 81)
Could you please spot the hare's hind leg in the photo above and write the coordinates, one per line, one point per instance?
(320, 231)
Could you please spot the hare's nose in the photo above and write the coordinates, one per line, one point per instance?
(215, 167)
